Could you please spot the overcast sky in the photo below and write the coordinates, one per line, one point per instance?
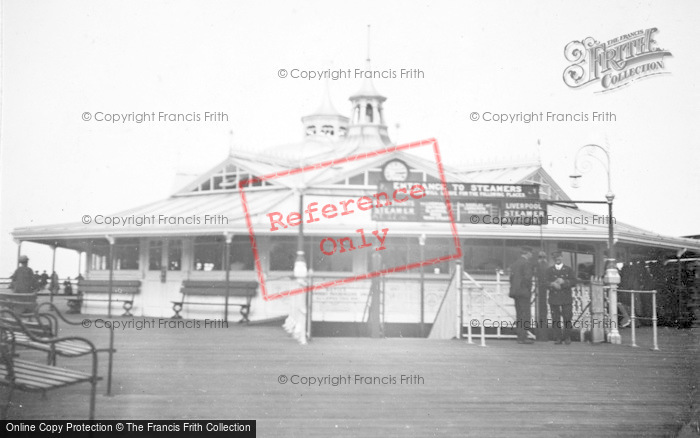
(61, 59)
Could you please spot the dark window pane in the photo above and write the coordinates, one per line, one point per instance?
(374, 177)
(357, 180)
(337, 262)
(242, 258)
(174, 255)
(208, 253)
(282, 253)
(126, 255)
(155, 255)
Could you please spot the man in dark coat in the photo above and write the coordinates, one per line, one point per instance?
(521, 290)
(44, 279)
(561, 279)
(23, 277)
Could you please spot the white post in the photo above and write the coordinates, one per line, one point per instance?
(460, 301)
(483, 317)
(469, 315)
(614, 335)
(633, 319)
(653, 319)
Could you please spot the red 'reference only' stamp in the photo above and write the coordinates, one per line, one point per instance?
(312, 212)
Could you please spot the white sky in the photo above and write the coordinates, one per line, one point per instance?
(60, 59)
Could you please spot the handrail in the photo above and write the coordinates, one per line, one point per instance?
(482, 329)
(633, 316)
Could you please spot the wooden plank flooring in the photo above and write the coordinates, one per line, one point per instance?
(505, 389)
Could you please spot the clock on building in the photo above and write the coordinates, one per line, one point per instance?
(395, 170)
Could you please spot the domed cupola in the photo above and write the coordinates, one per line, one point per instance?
(367, 118)
(326, 121)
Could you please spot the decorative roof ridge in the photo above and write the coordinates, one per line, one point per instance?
(494, 164)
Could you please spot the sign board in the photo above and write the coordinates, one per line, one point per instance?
(471, 203)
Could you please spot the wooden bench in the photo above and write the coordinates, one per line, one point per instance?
(203, 288)
(30, 376)
(48, 315)
(123, 291)
(22, 303)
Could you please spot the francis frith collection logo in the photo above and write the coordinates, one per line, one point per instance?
(615, 63)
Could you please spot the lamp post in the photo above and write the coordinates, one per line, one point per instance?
(611, 278)
(300, 274)
(300, 269)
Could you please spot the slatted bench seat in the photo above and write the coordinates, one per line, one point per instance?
(201, 288)
(123, 291)
(48, 316)
(29, 376)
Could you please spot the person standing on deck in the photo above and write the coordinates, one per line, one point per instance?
(44, 279)
(521, 291)
(561, 279)
(67, 287)
(54, 287)
(23, 281)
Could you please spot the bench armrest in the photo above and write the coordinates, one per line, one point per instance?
(54, 309)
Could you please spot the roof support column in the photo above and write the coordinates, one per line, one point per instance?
(54, 287)
(110, 239)
(227, 261)
(19, 251)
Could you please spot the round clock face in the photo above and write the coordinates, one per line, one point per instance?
(395, 170)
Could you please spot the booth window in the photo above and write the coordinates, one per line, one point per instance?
(99, 257)
(208, 253)
(338, 262)
(174, 255)
(241, 258)
(283, 252)
(400, 251)
(581, 259)
(436, 248)
(155, 255)
(126, 255)
(483, 256)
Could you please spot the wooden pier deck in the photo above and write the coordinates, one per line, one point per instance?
(504, 389)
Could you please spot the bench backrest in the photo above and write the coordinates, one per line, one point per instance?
(8, 295)
(130, 287)
(12, 323)
(218, 288)
(18, 302)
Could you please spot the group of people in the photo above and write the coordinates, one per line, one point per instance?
(24, 280)
(557, 279)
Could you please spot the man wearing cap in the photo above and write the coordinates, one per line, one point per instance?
(520, 291)
(23, 278)
(561, 279)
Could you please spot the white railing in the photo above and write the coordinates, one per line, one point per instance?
(633, 316)
(482, 329)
